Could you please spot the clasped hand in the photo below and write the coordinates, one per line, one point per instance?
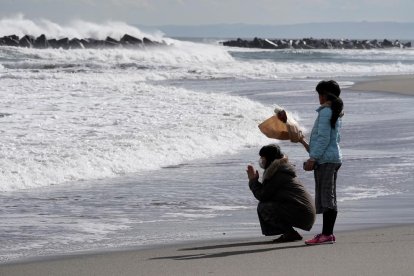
(251, 173)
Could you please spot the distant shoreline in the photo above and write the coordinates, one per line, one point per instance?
(314, 44)
(399, 84)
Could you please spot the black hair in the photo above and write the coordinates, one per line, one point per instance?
(337, 105)
(330, 86)
(271, 152)
(331, 90)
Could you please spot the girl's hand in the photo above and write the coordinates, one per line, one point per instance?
(251, 174)
(309, 165)
(282, 116)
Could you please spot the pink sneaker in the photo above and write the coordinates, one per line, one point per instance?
(321, 239)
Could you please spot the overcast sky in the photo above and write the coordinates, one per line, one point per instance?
(199, 12)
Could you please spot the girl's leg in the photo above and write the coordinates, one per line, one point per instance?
(330, 214)
(329, 218)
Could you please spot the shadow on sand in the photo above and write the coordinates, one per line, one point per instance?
(228, 253)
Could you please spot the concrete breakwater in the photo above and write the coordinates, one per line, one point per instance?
(42, 42)
(312, 43)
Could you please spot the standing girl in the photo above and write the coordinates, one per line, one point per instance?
(325, 157)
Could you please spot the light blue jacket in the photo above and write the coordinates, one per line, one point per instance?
(324, 141)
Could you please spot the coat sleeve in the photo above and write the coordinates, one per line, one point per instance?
(261, 191)
(323, 135)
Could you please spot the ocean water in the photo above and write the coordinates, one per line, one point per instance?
(115, 148)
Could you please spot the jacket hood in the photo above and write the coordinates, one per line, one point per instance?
(279, 165)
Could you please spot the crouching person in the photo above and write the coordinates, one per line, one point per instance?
(283, 201)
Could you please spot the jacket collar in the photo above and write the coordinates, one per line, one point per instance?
(322, 106)
(328, 104)
(274, 167)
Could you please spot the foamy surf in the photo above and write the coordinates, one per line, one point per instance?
(83, 129)
(20, 25)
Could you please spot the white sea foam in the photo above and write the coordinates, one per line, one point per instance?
(77, 128)
(224, 207)
(19, 25)
(85, 114)
(82, 114)
(189, 215)
(357, 193)
(183, 60)
(202, 58)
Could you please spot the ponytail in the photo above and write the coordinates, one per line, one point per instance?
(337, 105)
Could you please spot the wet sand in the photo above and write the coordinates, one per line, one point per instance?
(381, 251)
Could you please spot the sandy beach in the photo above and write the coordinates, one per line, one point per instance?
(400, 84)
(382, 251)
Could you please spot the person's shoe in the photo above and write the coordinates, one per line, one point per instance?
(289, 237)
(321, 239)
(314, 240)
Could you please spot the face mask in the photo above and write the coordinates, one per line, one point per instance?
(262, 163)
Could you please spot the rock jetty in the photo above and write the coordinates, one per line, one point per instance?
(312, 43)
(42, 42)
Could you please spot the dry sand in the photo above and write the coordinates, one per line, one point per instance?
(403, 84)
(382, 251)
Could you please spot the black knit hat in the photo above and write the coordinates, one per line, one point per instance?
(271, 152)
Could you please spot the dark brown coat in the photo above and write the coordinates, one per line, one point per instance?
(290, 202)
